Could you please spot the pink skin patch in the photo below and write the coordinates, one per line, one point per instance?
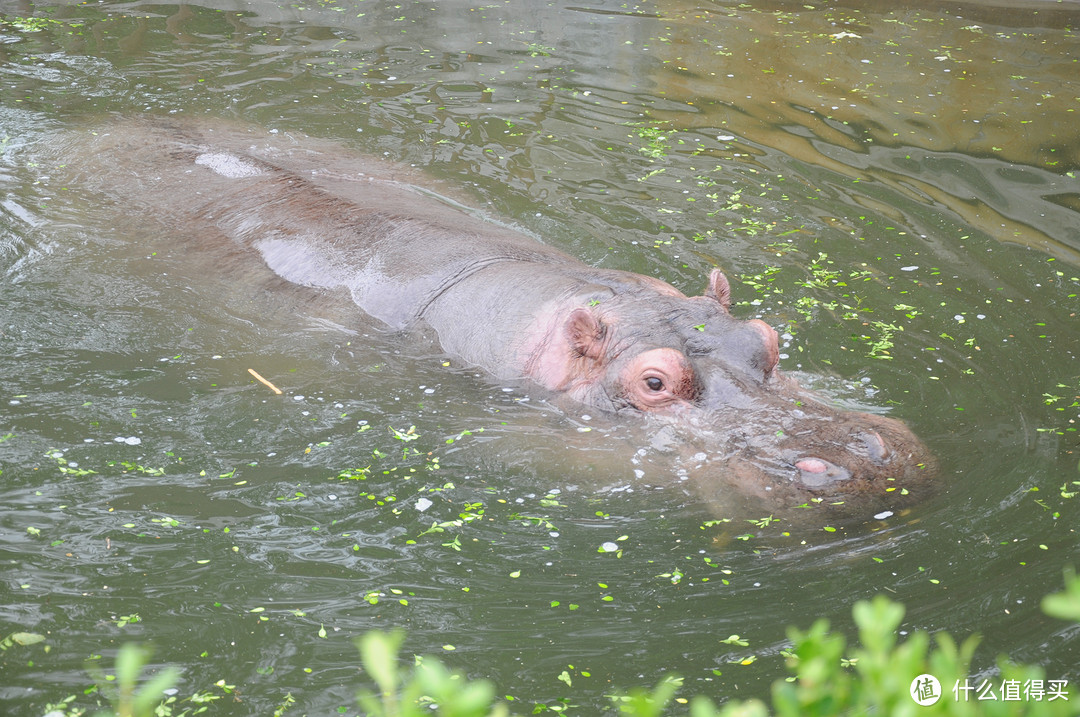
(772, 344)
(812, 465)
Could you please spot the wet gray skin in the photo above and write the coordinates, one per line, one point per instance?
(497, 299)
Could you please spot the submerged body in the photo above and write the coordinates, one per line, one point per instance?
(499, 300)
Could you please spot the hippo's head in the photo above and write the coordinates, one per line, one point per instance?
(641, 346)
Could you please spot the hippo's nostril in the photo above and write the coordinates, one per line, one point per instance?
(817, 473)
(876, 448)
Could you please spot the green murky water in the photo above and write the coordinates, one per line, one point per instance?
(895, 189)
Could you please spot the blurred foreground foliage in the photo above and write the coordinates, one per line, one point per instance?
(878, 678)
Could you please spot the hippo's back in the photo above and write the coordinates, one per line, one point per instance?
(317, 217)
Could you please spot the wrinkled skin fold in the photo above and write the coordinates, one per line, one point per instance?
(497, 299)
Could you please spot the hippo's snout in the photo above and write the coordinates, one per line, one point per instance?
(817, 472)
(855, 452)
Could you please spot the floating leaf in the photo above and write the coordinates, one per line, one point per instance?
(21, 638)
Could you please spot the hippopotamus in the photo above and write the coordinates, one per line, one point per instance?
(618, 342)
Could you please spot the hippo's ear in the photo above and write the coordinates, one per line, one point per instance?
(585, 333)
(719, 288)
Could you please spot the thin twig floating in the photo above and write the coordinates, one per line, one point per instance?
(262, 380)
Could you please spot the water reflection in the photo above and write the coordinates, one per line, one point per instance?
(868, 94)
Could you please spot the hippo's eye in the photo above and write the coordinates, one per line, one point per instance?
(660, 379)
